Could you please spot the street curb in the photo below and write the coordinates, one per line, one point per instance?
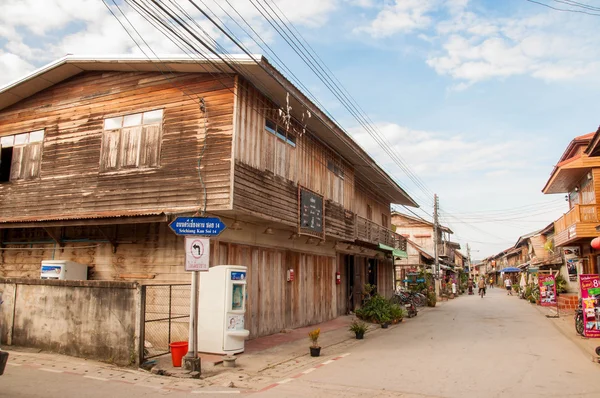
(577, 340)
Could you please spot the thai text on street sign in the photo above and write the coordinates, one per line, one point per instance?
(197, 253)
(590, 292)
(198, 226)
(547, 290)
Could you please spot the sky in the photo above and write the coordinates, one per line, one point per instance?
(477, 98)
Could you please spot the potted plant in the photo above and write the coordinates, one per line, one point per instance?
(431, 299)
(315, 348)
(359, 328)
(397, 313)
(385, 320)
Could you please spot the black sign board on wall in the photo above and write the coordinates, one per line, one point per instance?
(311, 213)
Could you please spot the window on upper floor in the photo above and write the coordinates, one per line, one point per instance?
(336, 169)
(132, 141)
(384, 220)
(280, 132)
(588, 195)
(21, 156)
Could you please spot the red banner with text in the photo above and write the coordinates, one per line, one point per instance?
(590, 299)
(547, 290)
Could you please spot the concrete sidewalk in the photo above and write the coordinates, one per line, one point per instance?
(565, 324)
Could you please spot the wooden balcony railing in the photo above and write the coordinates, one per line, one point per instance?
(578, 214)
(368, 231)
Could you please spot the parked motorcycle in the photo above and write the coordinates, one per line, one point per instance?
(579, 320)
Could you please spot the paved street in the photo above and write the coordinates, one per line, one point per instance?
(497, 346)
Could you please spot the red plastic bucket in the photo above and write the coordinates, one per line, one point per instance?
(178, 351)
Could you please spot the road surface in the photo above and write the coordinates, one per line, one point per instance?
(497, 346)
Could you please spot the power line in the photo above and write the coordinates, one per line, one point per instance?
(316, 68)
(180, 34)
(562, 9)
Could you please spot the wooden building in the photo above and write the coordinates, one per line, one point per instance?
(99, 155)
(577, 176)
(421, 233)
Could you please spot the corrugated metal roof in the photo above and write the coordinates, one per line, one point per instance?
(81, 216)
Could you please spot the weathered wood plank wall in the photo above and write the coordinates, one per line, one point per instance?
(72, 114)
(365, 197)
(306, 163)
(275, 304)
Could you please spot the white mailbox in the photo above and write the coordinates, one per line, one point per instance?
(221, 310)
(63, 269)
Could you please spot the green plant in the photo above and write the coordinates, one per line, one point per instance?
(369, 289)
(561, 284)
(378, 309)
(313, 335)
(431, 299)
(358, 326)
(397, 313)
(516, 288)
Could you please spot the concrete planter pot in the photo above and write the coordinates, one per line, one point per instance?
(229, 361)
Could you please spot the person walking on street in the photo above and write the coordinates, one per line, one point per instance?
(481, 285)
(491, 283)
(508, 284)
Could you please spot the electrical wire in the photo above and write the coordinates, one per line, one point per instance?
(160, 21)
(562, 9)
(322, 74)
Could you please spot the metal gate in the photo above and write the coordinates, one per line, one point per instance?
(165, 318)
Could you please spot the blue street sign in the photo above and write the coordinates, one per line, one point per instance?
(206, 226)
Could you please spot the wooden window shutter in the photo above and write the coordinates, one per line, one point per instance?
(109, 155)
(150, 146)
(31, 161)
(17, 161)
(130, 146)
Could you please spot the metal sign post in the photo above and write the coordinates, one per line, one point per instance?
(197, 232)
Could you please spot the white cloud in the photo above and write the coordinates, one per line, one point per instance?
(472, 47)
(470, 172)
(435, 154)
(545, 46)
(91, 29)
(13, 67)
(402, 16)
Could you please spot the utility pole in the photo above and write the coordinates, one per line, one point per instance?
(436, 265)
(469, 257)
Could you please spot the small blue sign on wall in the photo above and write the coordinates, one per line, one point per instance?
(202, 226)
(238, 276)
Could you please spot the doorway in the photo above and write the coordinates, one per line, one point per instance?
(372, 272)
(350, 282)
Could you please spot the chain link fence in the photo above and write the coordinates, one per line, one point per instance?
(166, 318)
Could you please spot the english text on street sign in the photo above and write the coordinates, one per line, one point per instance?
(197, 253)
(199, 226)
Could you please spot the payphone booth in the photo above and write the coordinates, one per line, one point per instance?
(221, 310)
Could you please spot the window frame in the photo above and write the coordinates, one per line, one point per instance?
(141, 131)
(280, 132)
(25, 148)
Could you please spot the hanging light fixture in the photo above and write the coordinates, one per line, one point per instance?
(236, 226)
(268, 231)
